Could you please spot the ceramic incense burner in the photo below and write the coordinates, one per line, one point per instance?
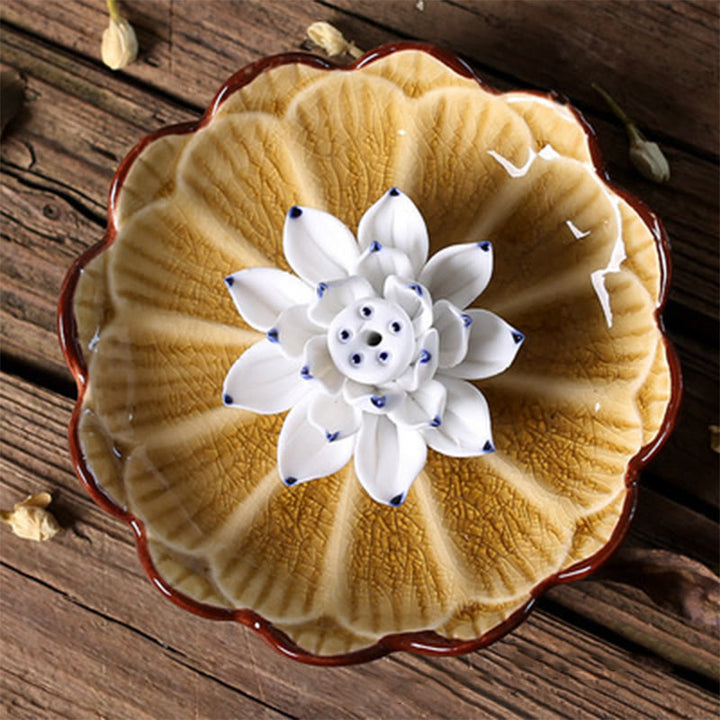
(369, 357)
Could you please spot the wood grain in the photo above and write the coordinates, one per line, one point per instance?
(671, 61)
(544, 665)
(84, 634)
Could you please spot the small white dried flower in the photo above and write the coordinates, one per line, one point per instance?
(119, 42)
(646, 156)
(331, 40)
(30, 519)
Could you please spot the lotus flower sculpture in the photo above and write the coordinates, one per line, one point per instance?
(370, 347)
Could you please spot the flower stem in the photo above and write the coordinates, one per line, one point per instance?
(616, 109)
(112, 7)
(632, 129)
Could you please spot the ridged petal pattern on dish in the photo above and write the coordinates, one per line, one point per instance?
(576, 268)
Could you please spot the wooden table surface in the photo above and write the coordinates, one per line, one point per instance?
(84, 634)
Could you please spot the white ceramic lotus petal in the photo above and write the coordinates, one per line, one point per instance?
(413, 298)
(422, 408)
(388, 458)
(379, 261)
(292, 330)
(334, 416)
(395, 222)
(304, 452)
(261, 294)
(335, 295)
(454, 328)
(492, 347)
(465, 429)
(371, 399)
(263, 380)
(318, 246)
(318, 367)
(459, 273)
(426, 364)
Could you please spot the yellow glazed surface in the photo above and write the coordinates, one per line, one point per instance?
(576, 269)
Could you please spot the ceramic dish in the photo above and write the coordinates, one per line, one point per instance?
(433, 529)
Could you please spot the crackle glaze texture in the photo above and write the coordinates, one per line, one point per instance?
(576, 269)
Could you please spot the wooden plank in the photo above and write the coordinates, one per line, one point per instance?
(185, 65)
(80, 122)
(665, 75)
(554, 661)
(62, 660)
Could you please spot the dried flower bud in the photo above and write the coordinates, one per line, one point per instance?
(331, 40)
(119, 44)
(647, 157)
(30, 520)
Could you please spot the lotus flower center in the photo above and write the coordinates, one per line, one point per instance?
(371, 341)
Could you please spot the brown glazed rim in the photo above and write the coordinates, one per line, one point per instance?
(425, 642)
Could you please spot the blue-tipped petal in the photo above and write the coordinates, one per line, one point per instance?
(295, 212)
(375, 246)
(436, 421)
(333, 416)
(272, 335)
(264, 380)
(290, 481)
(333, 296)
(466, 421)
(425, 356)
(493, 344)
(227, 399)
(388, 458)
(453, 329)
(488, 447)
(318, 246)
(378, 401)
(416, 288)
(261, 295)
(303, 452)
(485, 245)
(305, 373)
(458, 273)
(395, 222)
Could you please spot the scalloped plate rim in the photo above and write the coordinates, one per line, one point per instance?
(425, 642)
